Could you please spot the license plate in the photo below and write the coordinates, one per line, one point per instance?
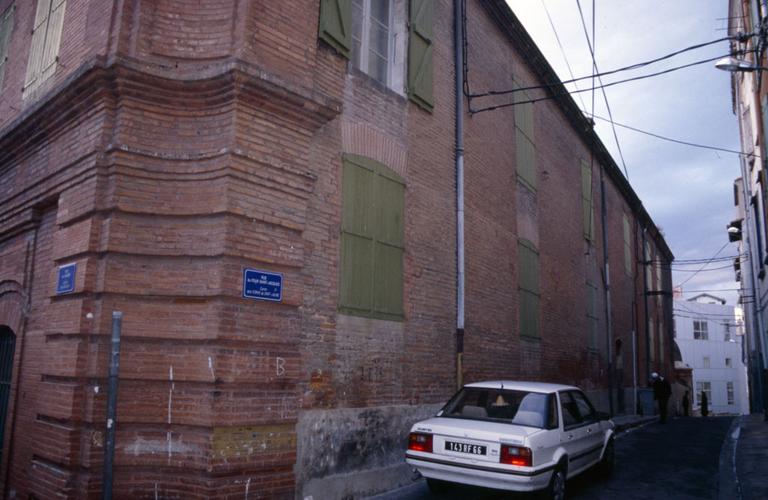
(472, 449)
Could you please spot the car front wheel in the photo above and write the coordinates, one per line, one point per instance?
(609, 458)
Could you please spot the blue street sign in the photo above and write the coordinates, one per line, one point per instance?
(262, 285)
(65, 281)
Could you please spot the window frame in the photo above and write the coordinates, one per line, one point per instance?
(6, 30)
(700, 333)
(44, 54)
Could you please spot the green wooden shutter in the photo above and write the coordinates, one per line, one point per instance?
(372, 240)
(586, 201)
(525, 150)
(528, 286)
(6, 26)
(357, 244)
(53, 39)
(420, 48)
(336, 25)
(627, 246)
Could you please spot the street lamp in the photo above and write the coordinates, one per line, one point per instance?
(734, 64)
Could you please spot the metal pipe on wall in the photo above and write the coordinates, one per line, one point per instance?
(109, 441)
(607, 288)
(459, 71)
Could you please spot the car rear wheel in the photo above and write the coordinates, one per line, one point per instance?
(437, 486)
(556, 488)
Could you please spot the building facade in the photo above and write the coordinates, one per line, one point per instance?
(267, 192)
(711, 341)
(748, 229)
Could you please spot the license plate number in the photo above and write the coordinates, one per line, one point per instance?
(472, 449)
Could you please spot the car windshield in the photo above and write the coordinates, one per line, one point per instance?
(531, 409)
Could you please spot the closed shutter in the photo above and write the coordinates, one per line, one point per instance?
(372, 240)
(420, 48)
(357, 243)
(336, 25)
(586, 201)
(627, 246)
(7, 348)
(525, 150)
(528, 285)
(6, 26)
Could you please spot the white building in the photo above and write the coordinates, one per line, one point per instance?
(710, 337)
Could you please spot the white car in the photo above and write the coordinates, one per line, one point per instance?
(519, 436)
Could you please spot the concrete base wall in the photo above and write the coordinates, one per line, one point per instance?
(355, 452)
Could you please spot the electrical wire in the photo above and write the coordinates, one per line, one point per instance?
(702, 267)
(664, 138)
(562, 52)
(595, 70)
(610, 84)
(605, 73)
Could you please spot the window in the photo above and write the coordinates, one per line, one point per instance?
(372, 240)
(705, 362)
(587, 209)
(591, 316)
(372, 38)
(530, 409)
(46, 37)
(525, 150)
(727, 327)
(659, 287)
(7, 348)
(368, 32)
(528, 288)
(700, 330)
(651, 341)
(728, 363)
(729, 391)
(628, 268)
(648, 269)
(704, 387)
(6, 26)
(571, 415)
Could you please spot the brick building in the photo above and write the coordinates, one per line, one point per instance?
(153, 153)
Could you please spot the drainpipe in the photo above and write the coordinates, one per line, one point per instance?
(607, 288)
(645, 306)
(458, 43)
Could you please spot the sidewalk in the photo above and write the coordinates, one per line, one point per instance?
(745, 474)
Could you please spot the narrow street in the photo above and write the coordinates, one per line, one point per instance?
(676, 460)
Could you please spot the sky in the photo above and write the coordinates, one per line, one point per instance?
(687, 191)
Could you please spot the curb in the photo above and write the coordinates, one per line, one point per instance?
(728, 485)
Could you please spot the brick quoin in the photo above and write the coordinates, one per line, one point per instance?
(180, 142)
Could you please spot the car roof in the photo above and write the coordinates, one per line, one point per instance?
(517, 385)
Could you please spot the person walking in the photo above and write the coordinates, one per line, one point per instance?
(686, 404)
(662, 390)
(704, 404)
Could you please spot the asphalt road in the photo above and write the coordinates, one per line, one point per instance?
(679, 459)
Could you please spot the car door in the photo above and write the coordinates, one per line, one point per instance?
(574, 435)
(590, 421)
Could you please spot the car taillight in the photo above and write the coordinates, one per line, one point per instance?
(420, 442)
(516, 455)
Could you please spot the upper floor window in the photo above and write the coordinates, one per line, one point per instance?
(700, 330)
(373, 38)
(6, 26)
(628, 264)
(46, 38)
(376, 38)
(728, 363)
(706, 362)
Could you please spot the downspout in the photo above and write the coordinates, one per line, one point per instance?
(645, 306)
(458, 43)
(607, 288)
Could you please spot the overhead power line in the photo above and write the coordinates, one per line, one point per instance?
(605, 73)
(705, 265)
(670, 139)
(611, 84)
